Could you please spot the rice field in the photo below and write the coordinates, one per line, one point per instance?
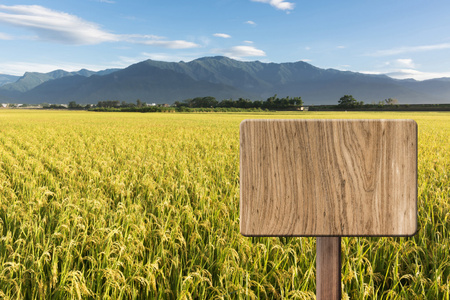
(146, 206)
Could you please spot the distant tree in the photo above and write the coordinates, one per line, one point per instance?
(73, 105)
(348, 101)
(204, 102)
(56, 106)
(391, 101)
(181, 104)
(108, 103)
(227, 103)
(244, 103)
(138, 103)
(258, 103)
(187, 103)
(271, 103)
(296, 101)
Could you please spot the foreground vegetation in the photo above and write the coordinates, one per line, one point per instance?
(146, 206)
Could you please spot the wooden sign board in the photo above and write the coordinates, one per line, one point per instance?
(328, 177)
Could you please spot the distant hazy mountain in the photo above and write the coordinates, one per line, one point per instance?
(139, 81)
(5, 79)
(32, 79)
(221, 77)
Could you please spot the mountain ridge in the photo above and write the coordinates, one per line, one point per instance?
(29, 80)
(154, 81)
(5, 79)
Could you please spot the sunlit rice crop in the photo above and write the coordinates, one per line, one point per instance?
(146, 206)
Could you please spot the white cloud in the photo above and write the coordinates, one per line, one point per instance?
(131, 18)
(250, 23)
(154, 40)
(20, 67)
(177, 44)
(415, 74)
(60, 27)
(125, 61)
(138, 38)
(341, 47)
(203, 40)
(402, 50)
(306, 60)
(241, 51)
(248, 42)
(4, 36)
(169, 57)
(54, 25)
(399, 68)
(278, 4)
(222, 35)
(404, 68)
(404, 63)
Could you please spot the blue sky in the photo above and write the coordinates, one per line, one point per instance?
(403, 39)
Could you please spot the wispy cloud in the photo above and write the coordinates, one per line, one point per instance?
(20, 67)
(222, 35)
(402, 50)
(153, 40)
(4, 36)
(278, 4)
(61, 27)
(125, 61)
(107, 1)
(241, 51)
(131, 18)
(402, 63)
(250, 23)
(404, 68)
(416, 74)
(54, 25)
(186, 57)
(177, 44)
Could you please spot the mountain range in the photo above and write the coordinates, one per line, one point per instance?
(221, 77)
(5, 79)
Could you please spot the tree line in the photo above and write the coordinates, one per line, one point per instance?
(349, 102)
(271, 103)
(208, 102)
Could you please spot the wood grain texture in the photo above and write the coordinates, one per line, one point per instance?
(328, 177)
(328, 268)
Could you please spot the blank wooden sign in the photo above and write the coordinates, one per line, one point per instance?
(328, 177)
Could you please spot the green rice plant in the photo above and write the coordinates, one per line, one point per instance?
(146, 206)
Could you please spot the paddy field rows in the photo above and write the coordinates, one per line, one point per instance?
(146, 206)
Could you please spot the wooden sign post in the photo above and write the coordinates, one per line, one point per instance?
(328, 179)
